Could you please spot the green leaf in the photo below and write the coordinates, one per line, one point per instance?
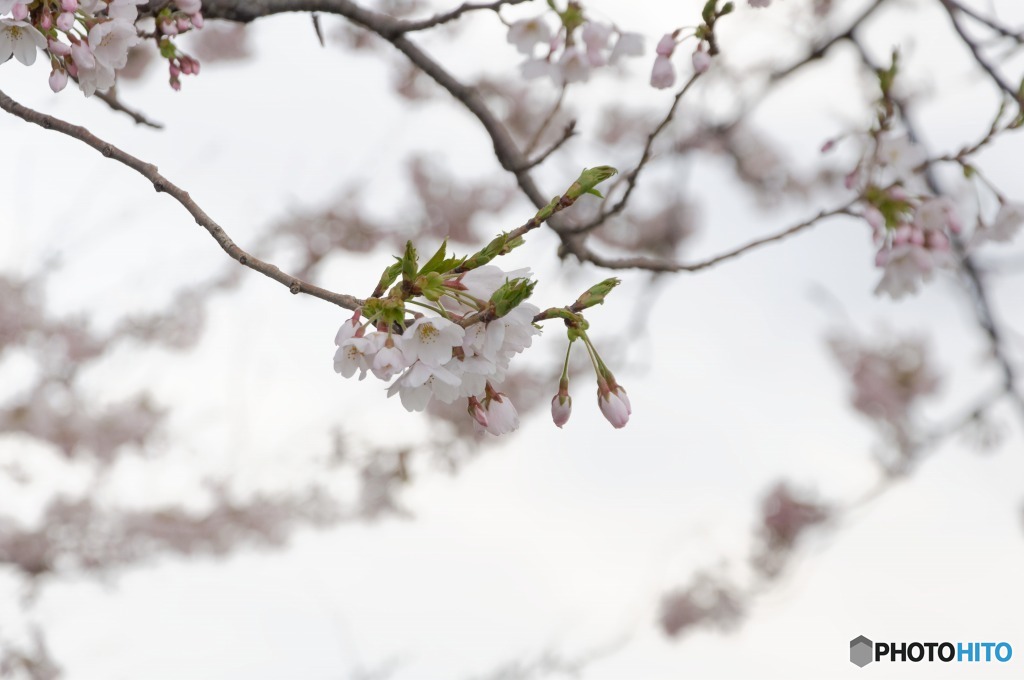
(409, 262)
(388, 277)
(435, 261)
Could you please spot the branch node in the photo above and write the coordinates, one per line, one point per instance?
(295, 288)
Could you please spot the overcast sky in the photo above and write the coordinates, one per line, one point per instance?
(556, 540)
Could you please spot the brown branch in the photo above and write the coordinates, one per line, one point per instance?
(952, 9)
(585, 254)
(110, 99)
(162, 184)
(631, 177)
(991, 23)
(983, 311)
(568, 133)
(445, 17)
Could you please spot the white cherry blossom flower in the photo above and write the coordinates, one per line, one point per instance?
(1004, 227)
(573, 66)
(431, 340)
(111, 40)
(526, 34)
(124, 9)
(355, 354)
(905, 266)
(20, 39)
(389, 360)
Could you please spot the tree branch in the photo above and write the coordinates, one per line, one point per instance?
(162, 184)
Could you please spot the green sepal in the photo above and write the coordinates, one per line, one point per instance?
(388, 277)
(510, 295)
(588, 179)
(389, 311)
(595, 295)
(430, 286)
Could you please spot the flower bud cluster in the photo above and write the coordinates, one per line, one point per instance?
(436, 357)
(89, 40)
(476, 321)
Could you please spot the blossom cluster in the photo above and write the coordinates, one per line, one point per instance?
(571, 52)
(448, 329)
(914, 230)
(436, 358)
(89, 40)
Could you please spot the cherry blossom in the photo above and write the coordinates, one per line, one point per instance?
(20, 39)
(526, 34)
(431, 340)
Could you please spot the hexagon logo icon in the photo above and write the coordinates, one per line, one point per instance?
(861, 650)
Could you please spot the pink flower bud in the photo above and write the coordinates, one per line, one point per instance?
(168, 27)
(938, 241)
(663, 74)
(197, 20)
(66, 21)
(58, 80)
(701, 61)
(175, 72)
(183, 24)
(477, 411)
(614, 404)
(69, 5)
(666, 46)
(46, 21)
(916, 236)
(20, 12)
(902, 235)
(561, 409)
(58, 48)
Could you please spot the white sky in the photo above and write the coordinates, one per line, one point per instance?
(558, 540)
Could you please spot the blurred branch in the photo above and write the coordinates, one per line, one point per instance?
(650, 264)
(953, 9)
(110, 99)
(445, 17)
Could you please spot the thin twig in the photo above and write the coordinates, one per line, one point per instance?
(633, 175)
(654, 265)
(110, 99)
(952, 9)
(445, 17)
(162, 184)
